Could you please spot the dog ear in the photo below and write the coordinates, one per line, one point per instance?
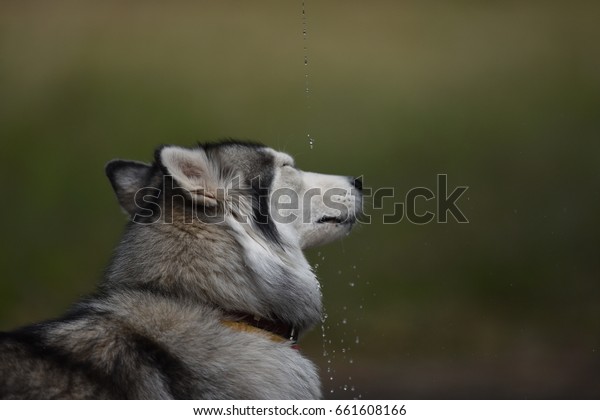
(193, 171)
(127, 178)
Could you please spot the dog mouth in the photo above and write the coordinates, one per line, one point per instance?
(336, 220)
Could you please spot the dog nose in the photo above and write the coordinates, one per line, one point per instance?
(357, 182)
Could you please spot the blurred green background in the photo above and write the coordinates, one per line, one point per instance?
(504, 97)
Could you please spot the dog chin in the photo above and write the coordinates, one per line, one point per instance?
(325, 232)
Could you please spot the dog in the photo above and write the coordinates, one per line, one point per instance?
(208, 290)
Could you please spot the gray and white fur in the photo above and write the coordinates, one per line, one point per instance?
(208, 239)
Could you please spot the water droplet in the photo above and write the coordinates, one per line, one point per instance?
(354, 267)
(345, 387)
(357, 340)
(344, 321)
(351, 361)
(351, 284)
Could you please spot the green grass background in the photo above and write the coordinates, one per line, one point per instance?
(504, 97)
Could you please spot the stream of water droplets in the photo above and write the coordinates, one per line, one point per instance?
(311, 140)
(340, 341)
(336, 351)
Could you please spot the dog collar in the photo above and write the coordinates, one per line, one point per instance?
(278, 332)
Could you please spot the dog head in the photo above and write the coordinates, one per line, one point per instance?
(249, 183)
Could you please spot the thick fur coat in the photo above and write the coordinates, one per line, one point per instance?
(209, 252)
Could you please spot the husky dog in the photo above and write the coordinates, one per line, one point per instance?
(208, 290)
